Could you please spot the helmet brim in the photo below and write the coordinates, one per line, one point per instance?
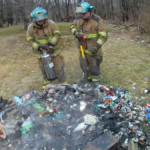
(91, 7)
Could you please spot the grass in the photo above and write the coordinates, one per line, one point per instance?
(124, 63)
(64, 28)
(11, 30)
(128, 63)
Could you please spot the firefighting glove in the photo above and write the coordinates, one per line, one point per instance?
(98, 46)
(78, 36)
(51, 48)
(94, 51)
(41, 48)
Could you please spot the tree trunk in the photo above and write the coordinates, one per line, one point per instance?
(2, 21)
(112, 10)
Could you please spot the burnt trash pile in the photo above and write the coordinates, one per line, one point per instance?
(74, 117)
(4, 104)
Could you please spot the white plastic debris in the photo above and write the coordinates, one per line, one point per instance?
(80, 127)
(134, 86)
(131, 125)
(82, 105)
(27, 122)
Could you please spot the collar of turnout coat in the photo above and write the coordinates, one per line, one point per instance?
(39, 26)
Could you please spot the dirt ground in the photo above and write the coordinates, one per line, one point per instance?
(124, 51)
(126, 61)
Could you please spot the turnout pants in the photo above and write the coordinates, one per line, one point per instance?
(93, 63)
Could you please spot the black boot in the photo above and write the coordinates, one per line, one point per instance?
(2, 105)
(82, 80)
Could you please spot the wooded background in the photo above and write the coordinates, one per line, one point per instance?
(136, 12)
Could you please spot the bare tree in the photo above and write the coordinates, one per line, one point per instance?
(16, 11)
(9, 12)
(67, 4)
(2, 21)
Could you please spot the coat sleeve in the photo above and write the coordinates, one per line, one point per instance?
(73, 27)
(30, 38)
(56, 34)
(102, 33)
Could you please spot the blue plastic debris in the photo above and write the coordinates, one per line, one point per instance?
(17, 99)
(148, 113)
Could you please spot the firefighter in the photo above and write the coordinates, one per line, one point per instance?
(92, 28)
(43, 33)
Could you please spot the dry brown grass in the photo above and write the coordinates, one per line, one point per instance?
(125, 62)
(18, 66)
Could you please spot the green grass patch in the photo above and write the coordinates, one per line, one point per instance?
(109, 28)
(11, 30)
(64, 26)
(124, 62)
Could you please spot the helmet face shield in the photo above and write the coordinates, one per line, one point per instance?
(83, 8)
(40, 17)
(79, 10)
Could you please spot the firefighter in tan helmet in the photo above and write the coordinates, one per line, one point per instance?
(44, 34)
(92, 28)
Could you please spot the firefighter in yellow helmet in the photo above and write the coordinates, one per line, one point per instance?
(91, 29)
(44, 34)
